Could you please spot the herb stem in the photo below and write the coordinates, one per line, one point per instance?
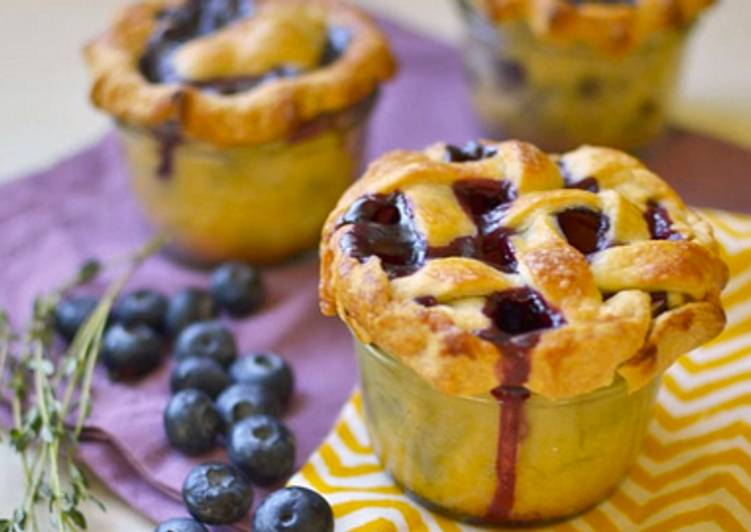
(43, 393)
(32, 488)
(42, 430)
(5, 339)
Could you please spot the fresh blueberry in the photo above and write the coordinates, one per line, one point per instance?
(208, 339)
(263, 449)
(191, 422)
(130, 351)
(200, 374)
(217, 494)
(265, 369)
(181, 524)
(142, 306)
(237, 288)
(294, 509)
(188, 306)
(242, 400)
(71, 313)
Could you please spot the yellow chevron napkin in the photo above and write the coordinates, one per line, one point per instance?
(694, 471)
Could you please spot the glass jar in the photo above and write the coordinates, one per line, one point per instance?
(561, 95)
(444, 450)
(258, 203)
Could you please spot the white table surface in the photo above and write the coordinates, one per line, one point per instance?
(44, 113)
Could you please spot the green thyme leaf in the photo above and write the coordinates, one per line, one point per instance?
(47, 391)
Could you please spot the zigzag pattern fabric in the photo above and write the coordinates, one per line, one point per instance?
(694, 471)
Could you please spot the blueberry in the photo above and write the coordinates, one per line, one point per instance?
(208, 339)
(337, 41)
(471, 151)
(510, 74)
(265, 369)
(191, 422)
(242, 400)
(142, 306)
(200, 374)
(237, 288)
(217, 494)
(188, 306)
(294, 509)
(71, 313)
(181, 524)
(129, 352)
(263, 449)
(649, 108)
(589, 87)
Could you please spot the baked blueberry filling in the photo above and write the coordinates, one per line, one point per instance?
(517, 316)
(493, 248)
(180, 24)
(382, 225)
(510, 74)
(169, 139)
(649, 108)
(659, 303)
(659, 222)
(471, 151)
(197, 18)
(426, 301)
(483, 198)
(337, 41)
(396, 246)
(518, 311)
(498, 251)
(588, 87)
(589, 184)
(584, 229)
(379, 208)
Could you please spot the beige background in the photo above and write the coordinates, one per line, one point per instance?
(44, 112)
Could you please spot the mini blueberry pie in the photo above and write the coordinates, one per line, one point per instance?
(493, 278)
(239, 110)
(500, 264)
(565, 72)
(236, 71)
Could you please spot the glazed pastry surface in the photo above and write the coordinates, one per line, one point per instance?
(497, 264)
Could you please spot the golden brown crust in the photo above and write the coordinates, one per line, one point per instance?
(604, 297)
(615, 27)
(271, 111)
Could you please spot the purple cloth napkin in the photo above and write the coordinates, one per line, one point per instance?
(80, 208)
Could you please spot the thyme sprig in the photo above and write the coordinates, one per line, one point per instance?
(50, 399)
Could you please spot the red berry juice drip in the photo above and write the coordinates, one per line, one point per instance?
(511, 396)
(517, 316)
